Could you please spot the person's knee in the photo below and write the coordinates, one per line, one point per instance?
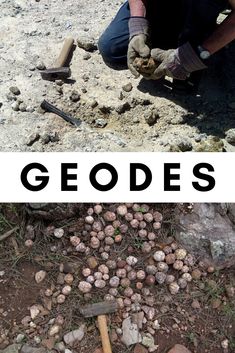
(111, 53)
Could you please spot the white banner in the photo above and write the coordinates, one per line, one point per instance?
(117, 177)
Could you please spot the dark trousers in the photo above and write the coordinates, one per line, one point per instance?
(172, 23)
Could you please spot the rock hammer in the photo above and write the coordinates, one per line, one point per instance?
(100, 310)
(60, 71)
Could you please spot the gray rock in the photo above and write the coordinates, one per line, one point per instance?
(20, 337)
(148, 340)
(22, 107)
(101, 123)
(71, 338)
(130, 333)
(60, 346)
(34, 137)
(75, 96)
(230, 136)
(87, 44)
(86, 56)
(208, 231)
(152, 117)
(15, 90)
(128, 87)
(40, 65)
(122, 108)
(15, 106)
(28, 349)
(93, 103)
(185, 145)
(14, 348)
(29, 109)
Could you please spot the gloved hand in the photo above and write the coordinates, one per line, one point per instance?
(138, 27)
(177, 63)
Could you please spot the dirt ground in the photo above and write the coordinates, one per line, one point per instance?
(201, 328)
(33, 31)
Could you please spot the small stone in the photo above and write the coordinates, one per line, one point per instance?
(34, 137)
(152, 118)
(225, 344)
(178, 348)
(86, 56)
(196, 274)
(22, 107)
(34, 311)
(75, 96)
(93, 103)
(230, 136)
(122, 108)
(87, 44)
(230, 291)
(130, 333)
(40, 65)
(73, 337)
(59, 233)
(185, 145)
(92, 262)
(101, 123)
(29, 109)
(15, 106)
(60, 346)
(54, 330)
(15, 90)
(195, 304)
(148, 340)
(40, 276)
(20, 337)
(128, 87)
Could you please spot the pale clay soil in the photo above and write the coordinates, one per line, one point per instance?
(31, 31)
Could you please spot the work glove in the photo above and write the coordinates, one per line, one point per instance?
(177, 63)
(138, 28)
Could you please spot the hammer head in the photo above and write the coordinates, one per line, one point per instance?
(101, 308)
(55, 73)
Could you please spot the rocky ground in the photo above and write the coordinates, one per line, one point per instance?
(49, 269)
(118, 113)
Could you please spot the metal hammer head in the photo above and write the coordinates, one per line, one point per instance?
(55, 73)
(97, 309)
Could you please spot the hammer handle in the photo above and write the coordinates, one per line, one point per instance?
(102, 323)
(67, 46)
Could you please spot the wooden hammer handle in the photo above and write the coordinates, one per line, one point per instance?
(102, 323)
(67, 46)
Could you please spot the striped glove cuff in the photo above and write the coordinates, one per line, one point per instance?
(138, 25)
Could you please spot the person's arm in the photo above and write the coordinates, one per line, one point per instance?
(139, 33)
(138, 8)
(223, 35)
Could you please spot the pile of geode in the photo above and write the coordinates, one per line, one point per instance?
(123, 276)
(124, 260)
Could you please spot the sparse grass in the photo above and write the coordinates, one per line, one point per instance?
(229, 310)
